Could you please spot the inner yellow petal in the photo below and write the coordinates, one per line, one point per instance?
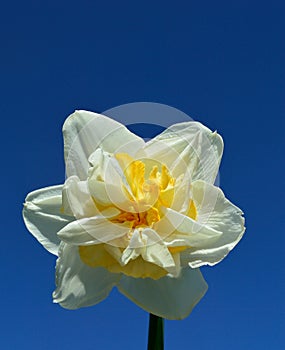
(134, 171)
(165, 177)
(166, 197)
(192, 210)
(153, 173)
(152, 216)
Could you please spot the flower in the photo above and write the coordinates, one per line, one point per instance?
(142, 216)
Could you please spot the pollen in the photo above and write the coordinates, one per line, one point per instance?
(143, 219)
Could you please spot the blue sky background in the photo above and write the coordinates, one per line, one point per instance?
(221, 62)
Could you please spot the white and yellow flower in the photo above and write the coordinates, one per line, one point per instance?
(140, 216)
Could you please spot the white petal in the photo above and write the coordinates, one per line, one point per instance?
(181, 195)
(99, 227)
(220, 214)
(99, 191)
(76, 237)
(43, 217)
(170, 298)
(188, 148)
(105, 180)
(178, 229)
(149, 245)
(84, 132)
(79, 285)
(77, 199)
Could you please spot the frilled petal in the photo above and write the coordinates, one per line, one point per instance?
(43, 216)
(170, 298)
(105, 180)
(84, 132)
(76, 236)
(151, 248)
(79, 285)
(217, 212)
(76, 198)
(181, 195)
(180, 230)
(188, 148)
(80, 232)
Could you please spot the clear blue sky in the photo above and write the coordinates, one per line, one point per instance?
(221, 62)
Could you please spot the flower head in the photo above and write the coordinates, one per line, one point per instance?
(143, 216)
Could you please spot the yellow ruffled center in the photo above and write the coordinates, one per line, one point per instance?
(148, 185)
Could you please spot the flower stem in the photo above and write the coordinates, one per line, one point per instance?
(155, 333)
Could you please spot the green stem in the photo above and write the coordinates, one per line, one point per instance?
(155, 333)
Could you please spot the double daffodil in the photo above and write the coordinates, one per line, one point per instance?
(142, 216)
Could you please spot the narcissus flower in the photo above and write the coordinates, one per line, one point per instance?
(142, 216)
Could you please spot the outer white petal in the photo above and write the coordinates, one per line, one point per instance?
(84, 132)
(43, 217)
(79, 285)
(98, 227)
(170, 298)
(189, 148)
(217, 212)
(76, 198)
